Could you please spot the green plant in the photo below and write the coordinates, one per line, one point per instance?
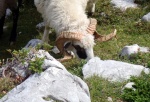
(142, 92)
(44, 46)
(22, 56)
(141, 58)
(19, 55)
(36, 65)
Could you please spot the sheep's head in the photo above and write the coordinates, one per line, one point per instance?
(82, 44)
(79, 44)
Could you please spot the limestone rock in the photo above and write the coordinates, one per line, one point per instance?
(129, 86)
(54, 84)
(124, 4)
(146, 17)
(133, 49)
(33, 43)
(114, 71)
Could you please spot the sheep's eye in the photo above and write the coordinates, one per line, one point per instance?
(80, 51)
(67, 45)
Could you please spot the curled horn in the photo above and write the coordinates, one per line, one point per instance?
(67, 36)
(102, 38)
(92, 30)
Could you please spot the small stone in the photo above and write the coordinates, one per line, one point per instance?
(109, 99)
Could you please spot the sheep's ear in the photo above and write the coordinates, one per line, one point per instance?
(67, 44)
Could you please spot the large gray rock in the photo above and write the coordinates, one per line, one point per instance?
(124, 4)
(146, 17)
(33, 43)
(112, 70)
(54, 84)
(133, 49)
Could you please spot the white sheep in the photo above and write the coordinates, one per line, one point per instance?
(74, 31)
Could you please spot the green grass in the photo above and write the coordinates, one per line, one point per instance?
(100, 89)
(130, 30)
(6, 84)
(142, 93)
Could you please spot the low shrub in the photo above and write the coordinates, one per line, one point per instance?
(138, 58)
(142, 92)
(141, 59)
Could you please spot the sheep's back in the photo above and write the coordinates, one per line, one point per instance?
(63, 15)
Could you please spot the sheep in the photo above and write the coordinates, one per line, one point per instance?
(74, 30)
(14, 6)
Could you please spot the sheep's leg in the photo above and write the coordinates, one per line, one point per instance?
(13, 35)
(45, 37)
(2, 20)
(91, 7)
